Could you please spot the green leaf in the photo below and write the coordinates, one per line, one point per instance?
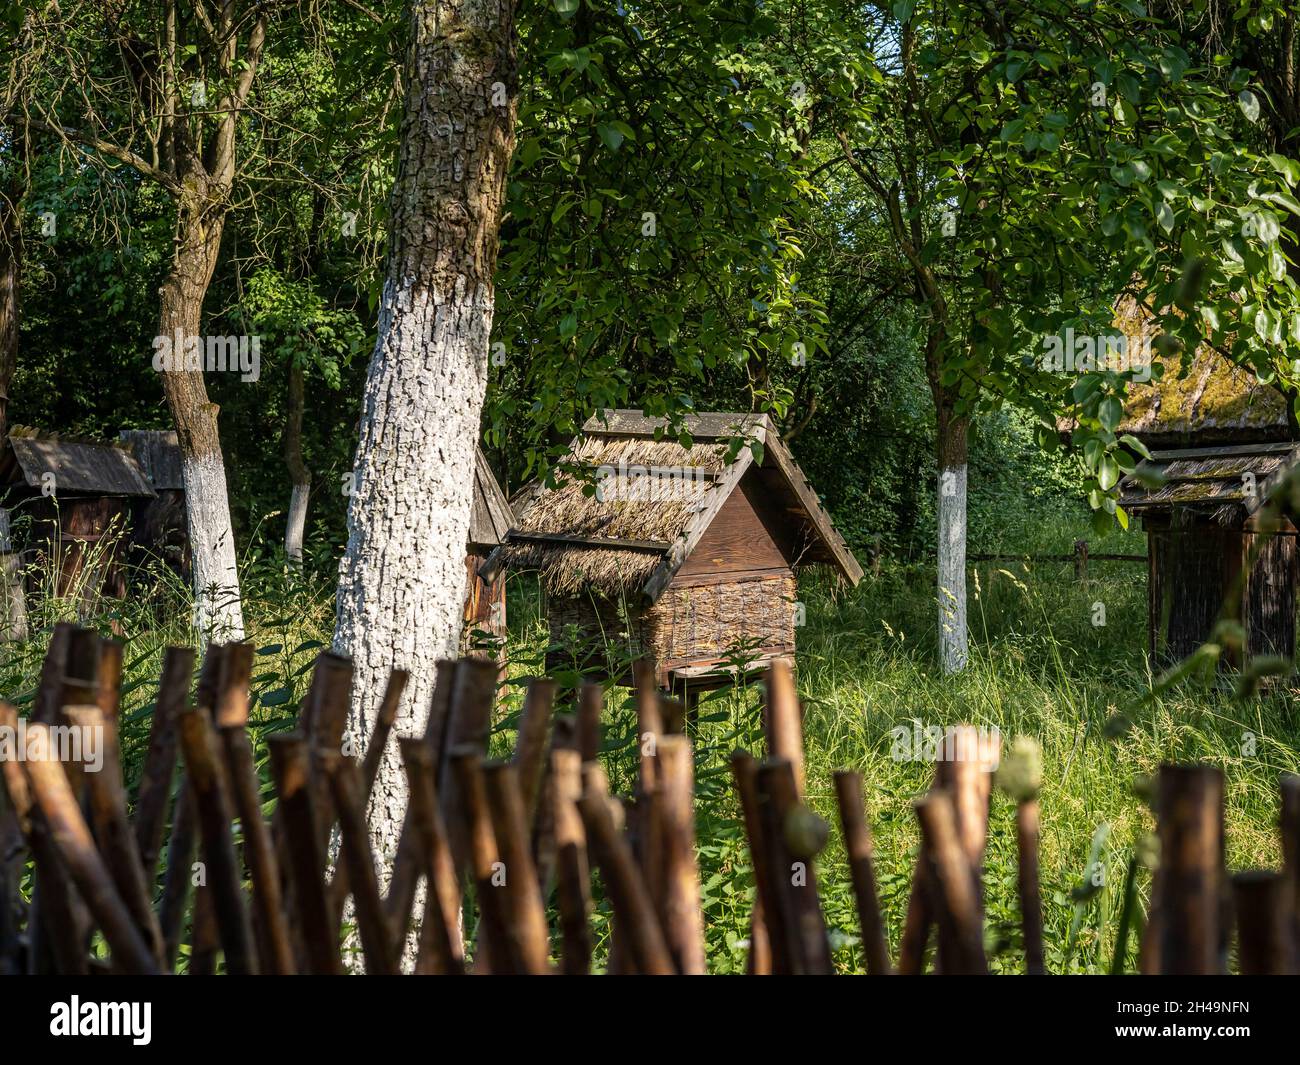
(1110, 413)
(611, 136)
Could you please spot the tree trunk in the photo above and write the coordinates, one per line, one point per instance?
(217, 610)
(11, 263)
(301, 479)
(951, 512)
(402, 579)
(13, 603)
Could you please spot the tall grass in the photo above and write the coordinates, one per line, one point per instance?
(1040, 666)
(1054, 658)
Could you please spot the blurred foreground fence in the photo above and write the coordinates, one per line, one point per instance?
(506, 849)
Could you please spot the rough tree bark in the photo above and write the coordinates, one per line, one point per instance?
(402, 579)
(201, 215)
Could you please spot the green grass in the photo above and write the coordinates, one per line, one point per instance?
(1039, 667)
(866, 665)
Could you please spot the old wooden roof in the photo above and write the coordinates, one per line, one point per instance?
(1211, 401)
(580, 538)
(159, 454)
(78, 467)
(491, 517)
(1226, 481)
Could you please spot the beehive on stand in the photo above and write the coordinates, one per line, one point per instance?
(78, 495)
(1221, 447)
(681, 553)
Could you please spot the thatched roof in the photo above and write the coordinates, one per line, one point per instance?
(79, 467)
(1213, 401)
(1228, 482)
(491, 517)
(159, 454)
(593, 533)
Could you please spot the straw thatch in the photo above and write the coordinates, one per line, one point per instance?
(630, 505)
(1211, 401)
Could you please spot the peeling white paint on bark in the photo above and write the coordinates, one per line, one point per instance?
(217, 611)
(952, 569)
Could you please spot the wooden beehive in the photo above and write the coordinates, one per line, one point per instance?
(1204, 522)
(1221, 444)
(159, 529)
(684, 554)
(78, 496)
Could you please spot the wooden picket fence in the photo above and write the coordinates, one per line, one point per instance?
(493, 841)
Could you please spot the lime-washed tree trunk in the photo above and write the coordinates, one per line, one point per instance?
(402, 578)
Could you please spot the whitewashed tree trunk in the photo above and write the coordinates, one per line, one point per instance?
(217, 610)
(293, 458)
(952, 568)
(402, 579)
(293, 533)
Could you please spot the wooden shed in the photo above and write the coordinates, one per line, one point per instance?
(159, 528)
(1221, 444)
(1203, 521)
(683, 554)
(490, 520)
(78, 497)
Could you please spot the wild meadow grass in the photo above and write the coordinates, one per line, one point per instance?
(1040, 666)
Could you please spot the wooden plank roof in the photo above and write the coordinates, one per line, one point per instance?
(491, 516)
(78, 467)
(1208, 478)
(159, 454)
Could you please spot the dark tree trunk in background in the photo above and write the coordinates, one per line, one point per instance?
(402, 580)
(10, 276)
(13, 623)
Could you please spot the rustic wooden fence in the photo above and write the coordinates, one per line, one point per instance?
(1080, 556)
(493, 841)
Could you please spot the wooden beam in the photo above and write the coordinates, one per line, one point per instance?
(589, 541)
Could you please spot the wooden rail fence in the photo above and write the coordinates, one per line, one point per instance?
(1080, 557)
(493, 840)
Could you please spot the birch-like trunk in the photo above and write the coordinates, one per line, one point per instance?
(402, 579)
(953, 647)
(297, 521)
